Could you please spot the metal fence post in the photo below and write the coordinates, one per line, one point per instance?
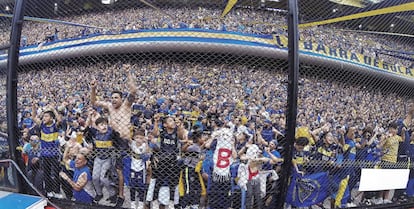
(12, 65)
(293, 63)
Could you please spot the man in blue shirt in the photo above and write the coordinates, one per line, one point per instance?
(27, 121)
(81, 183)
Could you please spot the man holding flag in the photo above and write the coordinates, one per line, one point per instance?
(222, 143)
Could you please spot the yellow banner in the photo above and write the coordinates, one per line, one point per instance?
(229, 6)
(388, 10)
(344, 55)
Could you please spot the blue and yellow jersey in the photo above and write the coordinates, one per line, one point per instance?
(49, 141)
(325, 152)
(349, 149)
(299, 158)
(103, 142)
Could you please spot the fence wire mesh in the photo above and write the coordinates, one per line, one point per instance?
(175, 104)
(6, 171)
(352, 119)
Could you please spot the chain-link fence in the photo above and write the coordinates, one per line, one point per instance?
(7, 173)
(182, 104)
(354, 113)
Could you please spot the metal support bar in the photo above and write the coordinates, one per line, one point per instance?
(292, 95)
(12, 65)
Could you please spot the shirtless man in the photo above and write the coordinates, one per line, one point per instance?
(119, 120)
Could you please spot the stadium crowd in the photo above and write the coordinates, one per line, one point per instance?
(239, 20)
(364, 43)
(213, 130)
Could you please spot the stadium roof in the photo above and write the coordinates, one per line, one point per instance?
(310, 11)
(317, 10)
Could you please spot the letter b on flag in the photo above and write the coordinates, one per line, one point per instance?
(223, 160)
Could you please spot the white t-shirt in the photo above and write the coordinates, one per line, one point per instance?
(138, 164)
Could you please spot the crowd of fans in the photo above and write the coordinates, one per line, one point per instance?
(213, 130)
(185, 124)
(246, 21)
(364, 43)
(239, 20)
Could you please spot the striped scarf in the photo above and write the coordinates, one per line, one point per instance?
(222, 157)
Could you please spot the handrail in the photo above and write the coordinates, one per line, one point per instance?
(28, 182)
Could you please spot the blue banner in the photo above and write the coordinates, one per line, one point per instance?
(308, 190)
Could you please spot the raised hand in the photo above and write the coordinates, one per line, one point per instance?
(93, 83)
(157, 117)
